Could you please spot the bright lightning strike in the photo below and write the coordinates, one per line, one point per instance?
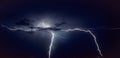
(95, 40)
(44, 25)
(51, 43)
(53, 35)
(88, 31)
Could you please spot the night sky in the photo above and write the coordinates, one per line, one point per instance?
(102, 16)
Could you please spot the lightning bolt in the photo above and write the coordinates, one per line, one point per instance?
(19, 29)
(27, 30)
(88, 31)
(95, 40)
(53, 36)
(51, 44)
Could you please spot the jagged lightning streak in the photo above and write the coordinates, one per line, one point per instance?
(27, 30)
(88, 31)
(53, 35)
(19, 29)
(51, 43)
(95, 40)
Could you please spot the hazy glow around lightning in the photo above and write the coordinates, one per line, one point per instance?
(44, 25)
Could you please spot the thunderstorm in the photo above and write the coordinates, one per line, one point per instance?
(44, 26)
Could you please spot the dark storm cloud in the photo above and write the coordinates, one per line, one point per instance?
(24, 22)
(93, 12)
(60, 24)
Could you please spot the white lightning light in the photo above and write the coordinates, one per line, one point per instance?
(44, 25)
(88, 31)
(51, 43)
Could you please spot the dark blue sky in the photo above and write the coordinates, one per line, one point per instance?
(93, 14)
